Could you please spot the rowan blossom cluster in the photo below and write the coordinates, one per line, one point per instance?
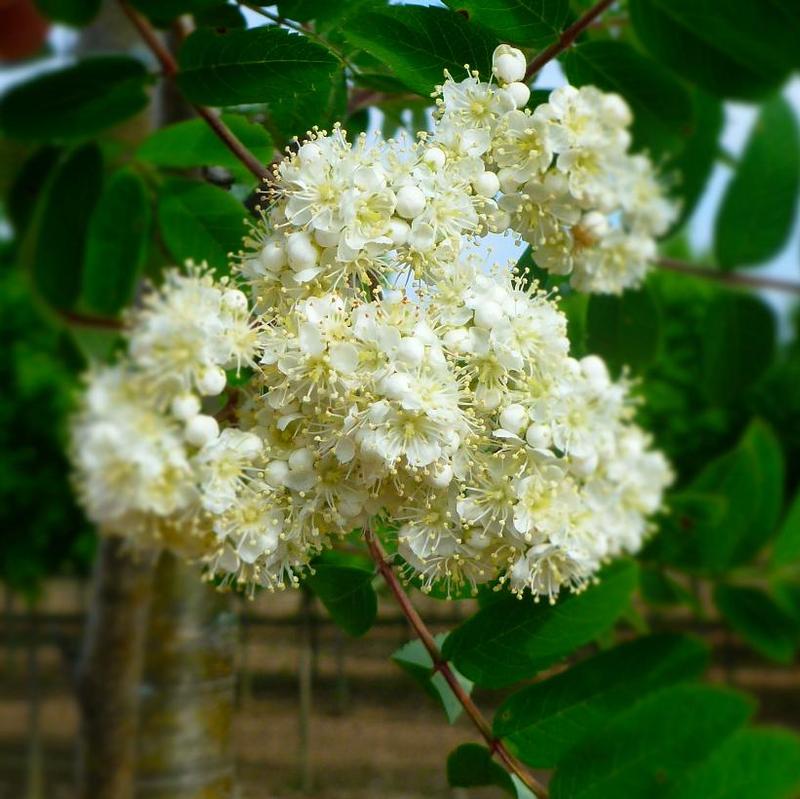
(391, 375)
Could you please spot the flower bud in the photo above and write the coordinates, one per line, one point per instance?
(398, 232)
(519, 92)
(595, 370)
(301, 251)
(301, 458)
(185, 406)
(276, 472)
(434, 157)
(442, 477)
(211, 381)
(410, 201)
(509, 64)
(273, 256)
(538, 436)
(201, 430)
(486, 184)
(309, 152)
(235, 300)
(488, 398)
(514, 418)
(327, 238)
(509, 182)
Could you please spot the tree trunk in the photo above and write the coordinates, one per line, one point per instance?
(109, 671)
(156, 677)
(187, 692)
(34, 788)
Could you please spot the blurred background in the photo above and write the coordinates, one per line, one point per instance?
(267, 693)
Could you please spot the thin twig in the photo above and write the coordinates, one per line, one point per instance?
(440, 665)
(730, 278)
(89, 320)
(567, 37)
(170, 69)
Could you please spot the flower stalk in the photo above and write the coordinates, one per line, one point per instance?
(567, 38)
(440, 665)
(170, 69)
(730, 278)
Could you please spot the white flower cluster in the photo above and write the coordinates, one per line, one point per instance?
(393, 376)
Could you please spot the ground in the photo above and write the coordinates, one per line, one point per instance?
(372, 732)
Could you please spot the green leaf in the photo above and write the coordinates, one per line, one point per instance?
(756, 763)
(528, 23)
(744, 488)
(471, 766)
(738, 344)
(348, 595)
(200, 221)
(75, 102)
(55, 241)
(662, 108)
(256, 65)
(756, 617)
(28, 184)
(693, 166)
(414, 659)
(686, 537)
(512, 639)
(787, 594)
(220, 16)
(544, 721)
(70, 12)
(117, 246)
(760, 439)
(419, 43)
(322, 105)
(641, 753)
(193, 144)
(719, 46)
(760, 203)
(324, 12)
(659, 589)
(624, 330)
(787, 542)
(163, 12)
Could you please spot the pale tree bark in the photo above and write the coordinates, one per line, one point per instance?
(155, 679)
(187, 692)
(110, 669)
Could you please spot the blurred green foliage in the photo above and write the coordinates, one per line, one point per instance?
(44, 531)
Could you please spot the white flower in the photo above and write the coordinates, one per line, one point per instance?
(384, 370)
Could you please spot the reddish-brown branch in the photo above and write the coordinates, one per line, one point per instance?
(89, 320)
(567, 37)
(730, 278)
(170, 69)
(496, 746)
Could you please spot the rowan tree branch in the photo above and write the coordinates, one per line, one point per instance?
(170, 69)
(90, 320)
(730, 278)
(567, 37)
(440, 665)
